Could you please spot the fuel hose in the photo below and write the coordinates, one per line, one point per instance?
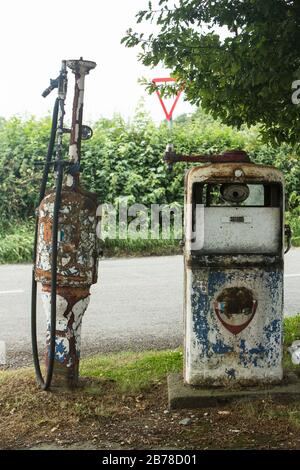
(46, 382)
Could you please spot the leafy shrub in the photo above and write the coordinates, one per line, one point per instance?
(126, 159)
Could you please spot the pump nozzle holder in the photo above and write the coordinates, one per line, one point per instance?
(81, 66)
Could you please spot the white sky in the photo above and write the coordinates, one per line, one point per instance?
(35, 35)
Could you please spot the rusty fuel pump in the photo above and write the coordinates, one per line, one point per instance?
(233, 276)
(66, 245)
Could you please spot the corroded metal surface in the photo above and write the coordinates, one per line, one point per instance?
(80, 68)
(234, 173)
(216, 172)
(215, 355)
(71, 306)
(77, 246)
(77, 263)
(77, 241)
(229, 156)
(238, 261)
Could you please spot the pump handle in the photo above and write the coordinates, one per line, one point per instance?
(231, 156)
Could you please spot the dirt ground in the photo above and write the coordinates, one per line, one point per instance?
(99, 416)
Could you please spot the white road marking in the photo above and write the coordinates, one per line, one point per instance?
(292, 275)
(11, 292)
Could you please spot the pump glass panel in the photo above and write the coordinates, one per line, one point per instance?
(238, 217)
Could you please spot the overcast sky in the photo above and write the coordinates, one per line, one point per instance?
(35, 35)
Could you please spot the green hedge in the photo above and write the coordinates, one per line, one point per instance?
(125, 159)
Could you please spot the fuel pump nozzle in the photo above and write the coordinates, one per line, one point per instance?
(60, 82)
(51, 87)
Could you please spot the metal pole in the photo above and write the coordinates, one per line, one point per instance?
(80, 68)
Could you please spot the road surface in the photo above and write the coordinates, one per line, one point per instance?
(136, 305)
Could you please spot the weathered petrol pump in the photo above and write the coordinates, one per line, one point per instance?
(233, 270)
(66, 245)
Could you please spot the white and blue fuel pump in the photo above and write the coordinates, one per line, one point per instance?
(233, 270)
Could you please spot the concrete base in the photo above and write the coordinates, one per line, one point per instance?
(186, 396)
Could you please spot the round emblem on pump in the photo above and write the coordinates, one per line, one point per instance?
(235, 192)
(235, 307)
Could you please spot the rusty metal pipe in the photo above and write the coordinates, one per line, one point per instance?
(80, 68)
(231, 156)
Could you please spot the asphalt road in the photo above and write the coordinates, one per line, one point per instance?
(136, 305)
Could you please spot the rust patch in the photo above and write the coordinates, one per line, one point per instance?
(45, 278)
(71, 294)
(47, 235)
(229, 156)
(77, 241)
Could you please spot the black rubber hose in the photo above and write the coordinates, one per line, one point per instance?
(44, 384)
(57, 204)
(50, 150)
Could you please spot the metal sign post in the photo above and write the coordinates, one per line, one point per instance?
(168, 114)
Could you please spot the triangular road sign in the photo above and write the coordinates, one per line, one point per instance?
(168, 114)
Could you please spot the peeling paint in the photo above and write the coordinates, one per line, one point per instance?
(77, 250)
(233, 305)
(71, 306)
(254, 353)
(77, 260)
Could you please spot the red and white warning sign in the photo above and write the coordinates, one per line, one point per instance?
(168, 114)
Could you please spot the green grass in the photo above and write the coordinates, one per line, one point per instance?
(140, 247)
(293, 219)
(291, 326)
(137, 371)
(11, 375)
(133, 371)
(16, 242)
(129, 371)
(291, 332)
(295, 224)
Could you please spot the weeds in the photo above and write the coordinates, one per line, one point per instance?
(133, 372)
(291, 327)
(16, 242)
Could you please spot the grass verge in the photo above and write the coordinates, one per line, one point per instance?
(122, 404)
(133, 372)
(140, 247)
(16, 242)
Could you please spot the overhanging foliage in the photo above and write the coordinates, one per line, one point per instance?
(243, 78)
